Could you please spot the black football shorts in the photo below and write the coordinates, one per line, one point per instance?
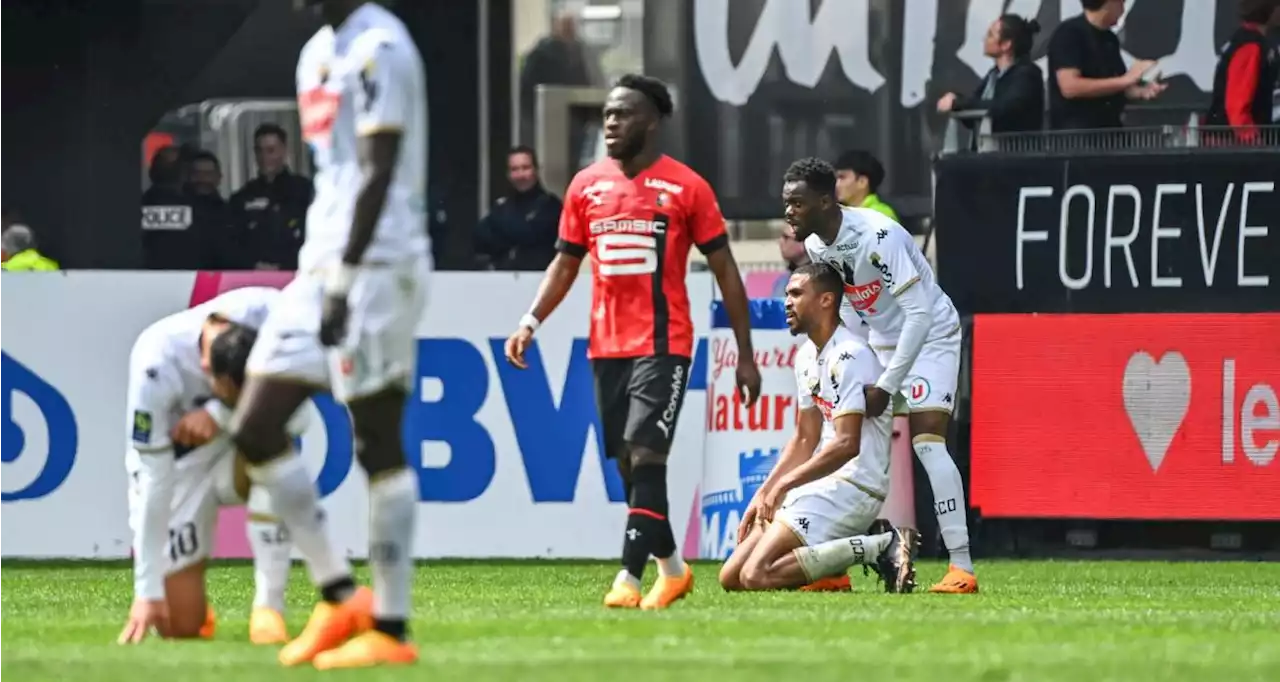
(639, 400)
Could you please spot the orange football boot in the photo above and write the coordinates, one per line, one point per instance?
(367, 650)
(330, 625)
(266, 626)
(956, 581)
(668, 590)
(622, 596)
(210, 623)
(835, 583)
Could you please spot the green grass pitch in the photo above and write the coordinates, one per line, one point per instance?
(478, 621)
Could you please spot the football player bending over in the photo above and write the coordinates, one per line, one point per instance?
(807, 522)
(180, 477)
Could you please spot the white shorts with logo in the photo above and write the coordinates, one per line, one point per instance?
(828, 509)
(931, 384)
(380, 347)
(204, 481)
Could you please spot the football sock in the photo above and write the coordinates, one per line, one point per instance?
(393, 506)
(648, 530)
(833, 556)
(271, 551)
(672, 566)
(296, 504)
(948, 497)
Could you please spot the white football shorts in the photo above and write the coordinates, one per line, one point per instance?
(931, 384)
(379, 350)
(828, 509)
(204, 481)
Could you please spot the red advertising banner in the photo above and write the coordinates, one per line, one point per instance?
(1142, 416)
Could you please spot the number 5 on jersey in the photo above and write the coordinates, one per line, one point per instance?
(626, 254)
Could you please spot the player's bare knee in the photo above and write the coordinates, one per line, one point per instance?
(731, 576)
(754, 575)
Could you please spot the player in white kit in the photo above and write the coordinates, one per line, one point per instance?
(913, 328)
(809, 520)
(182, 470)
(348, 323)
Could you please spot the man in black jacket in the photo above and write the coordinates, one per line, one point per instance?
(520, 232)
(1012, 92)
(271, 209)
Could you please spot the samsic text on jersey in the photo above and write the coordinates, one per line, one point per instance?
(639, 231)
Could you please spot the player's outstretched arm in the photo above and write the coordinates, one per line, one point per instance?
(725, 267)
(918, 319)
(798, 450)
(555, 285)
(154, 481)
(571, 247)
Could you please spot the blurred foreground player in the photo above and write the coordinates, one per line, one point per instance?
(913, 328)
(182, 468)
(348, 323)
(810, 518)
(637, 214)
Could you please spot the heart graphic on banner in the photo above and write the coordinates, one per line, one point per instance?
(1156, 396)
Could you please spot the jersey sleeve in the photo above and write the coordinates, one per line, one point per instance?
(153, 390)
(706, 222)
(384, 91)
(897, 269)
(850, 373)
(572, 239)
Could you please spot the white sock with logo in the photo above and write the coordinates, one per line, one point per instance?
(835, 556)
(948, 497)
(393, 508)
(271, 551)
(296, 503)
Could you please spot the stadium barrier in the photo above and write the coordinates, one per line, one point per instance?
(1123, 363)
(509, 460)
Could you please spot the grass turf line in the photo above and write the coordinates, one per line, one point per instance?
(543, 621)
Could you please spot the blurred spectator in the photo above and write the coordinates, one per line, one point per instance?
(271, 209)
(1088, 84)
(204, 175)
(558, 59)
(1012, 92)
(520, 232)
(793, 254)
(1246, 78)
(176, 235)
(18, 250)
(858, 177)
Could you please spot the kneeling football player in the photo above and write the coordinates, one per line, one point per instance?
(808, 522)
(181, 475)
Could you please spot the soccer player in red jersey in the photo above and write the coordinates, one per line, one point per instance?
(637, 213)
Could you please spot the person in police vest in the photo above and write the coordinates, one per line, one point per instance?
(271, 209)
(175, 235)
(18, 250)
(1247, 72)
(858, 177)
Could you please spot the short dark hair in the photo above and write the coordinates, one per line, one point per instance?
(165, 165)
(1019, 31)
(863, 163)
(653, 89)
(524, 149)
(270, 129)
(1258, 11)
(814, 172)
(1092, 5)
(229, 352)
(206, 155)
(826, 279)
